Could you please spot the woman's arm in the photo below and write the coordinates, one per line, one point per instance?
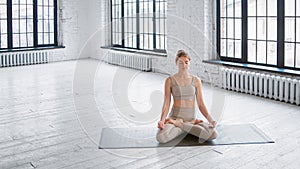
(201, 104)
(167, 101)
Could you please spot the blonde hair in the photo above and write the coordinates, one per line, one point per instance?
(181, 53)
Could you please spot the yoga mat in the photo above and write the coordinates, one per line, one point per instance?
(119, 138)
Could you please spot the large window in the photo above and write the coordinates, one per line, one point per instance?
(139, 24)
(28, 23)
(292, 33)
(263, 32)
(3, 24)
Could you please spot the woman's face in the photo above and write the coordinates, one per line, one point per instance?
(183, 63)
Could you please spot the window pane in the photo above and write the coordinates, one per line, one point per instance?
(46, 3)
(23, 1)
(261, 52)
(23, 40)
(223, 8)
(23, 26)
(40, 12)
(230, 8)
(51, 13)
(3, 25)
(40, 38)
(16, 40)
(15, 1)
(40, 26)
(298, 8)
(298, 56)
(223, 47)
(251, 51)
(142, 39)
(272, 53)
(272, 7)
(23, 11)
(119, 38)
(238, 51)
(3, 13)
(40, 2)
(290, 29)
(298, 30)
(251, 7)
(51, 26)
(146, 41)
(289, 54)
(51, 38)
(261, 28)
(238, 29)
(134, 41)
(151, 42)
(126, 11)
(46, 12)
(46, 38)
(261, 8)
(30, 39)
(272, 29)
(51, 3)
(223, 28)
(3, 41)
(230, 28)
(238, 8)
(16, 28)
(162, 42)
(251, 28)
(289, 7)
(46, 26)
(30, 11)
(15, 11)
(230, 48)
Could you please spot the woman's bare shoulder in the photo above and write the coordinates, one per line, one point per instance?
(197, 79)
(168, 80)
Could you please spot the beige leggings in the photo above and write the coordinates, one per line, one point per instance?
(201, 130)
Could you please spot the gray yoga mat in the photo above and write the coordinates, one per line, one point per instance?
(119, 138)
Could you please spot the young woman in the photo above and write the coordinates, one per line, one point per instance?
(184, 87)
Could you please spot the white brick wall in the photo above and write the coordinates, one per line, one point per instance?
(78, 21)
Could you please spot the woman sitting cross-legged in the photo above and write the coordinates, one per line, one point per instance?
(184, 87)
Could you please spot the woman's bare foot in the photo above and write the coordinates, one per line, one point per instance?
(170, 121)
(179, 123)
(176, 122)
(197, 121)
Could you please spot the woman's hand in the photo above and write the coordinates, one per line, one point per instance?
(212, 124)
(161, 124)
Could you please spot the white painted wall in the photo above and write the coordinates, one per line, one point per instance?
(78, 20)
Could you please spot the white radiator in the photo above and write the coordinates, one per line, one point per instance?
(134, 61)
(260, 84)
(24, 58)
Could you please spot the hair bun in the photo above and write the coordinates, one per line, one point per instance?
(180, 52)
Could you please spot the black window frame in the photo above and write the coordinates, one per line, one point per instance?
(36, 31)
(139, 16)
(244, 45)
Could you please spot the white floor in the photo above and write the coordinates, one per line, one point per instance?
(51, 116)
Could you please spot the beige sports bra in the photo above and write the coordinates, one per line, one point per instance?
(183, 92)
